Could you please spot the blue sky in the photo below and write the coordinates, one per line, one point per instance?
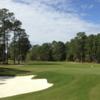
(87, 9)
(48, 20)
(90, 8)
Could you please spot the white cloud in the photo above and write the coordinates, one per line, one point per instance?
(44, 24)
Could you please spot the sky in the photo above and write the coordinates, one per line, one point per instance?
(60, 20)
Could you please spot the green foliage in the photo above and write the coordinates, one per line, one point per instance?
(20, 47)
(6, 21)
(20, 43)
(58, 51)
(40, 52)
(84, 48)
(48, 52)
(45, 52)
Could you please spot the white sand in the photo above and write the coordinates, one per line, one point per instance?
(10, 86)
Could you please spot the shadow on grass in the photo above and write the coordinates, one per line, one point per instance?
(12, 72)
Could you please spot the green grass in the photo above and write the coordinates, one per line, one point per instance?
(72, 81)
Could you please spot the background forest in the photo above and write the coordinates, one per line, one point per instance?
(15, 45)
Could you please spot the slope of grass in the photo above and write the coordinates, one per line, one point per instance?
(11, 72)
(72, 81)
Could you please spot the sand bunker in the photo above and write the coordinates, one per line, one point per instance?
(10, 86)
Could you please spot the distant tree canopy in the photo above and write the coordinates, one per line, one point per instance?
(82, 48)
(12, 47)
(15, 45)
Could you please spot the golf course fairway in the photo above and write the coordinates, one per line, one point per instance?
(72, 81)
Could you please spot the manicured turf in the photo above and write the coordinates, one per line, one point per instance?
(72, 81)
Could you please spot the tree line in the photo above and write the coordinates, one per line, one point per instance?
(14, 42)
(15, 45)
(82, 48)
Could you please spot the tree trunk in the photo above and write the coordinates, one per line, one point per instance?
(14, 50)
